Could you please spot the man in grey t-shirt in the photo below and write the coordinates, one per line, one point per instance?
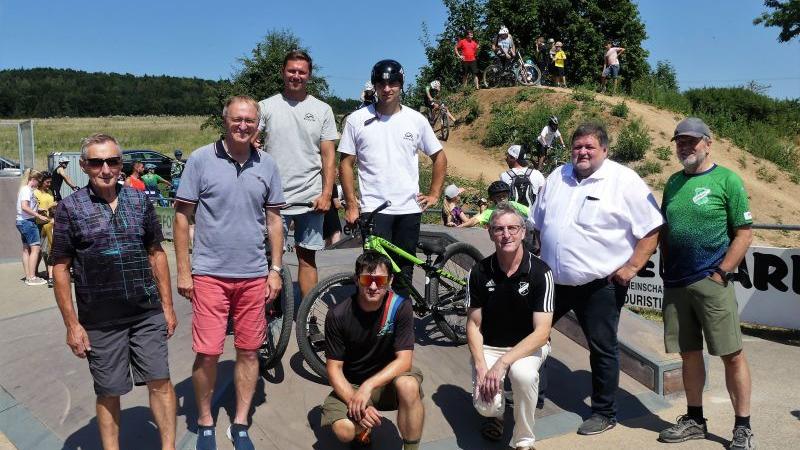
(300, 133)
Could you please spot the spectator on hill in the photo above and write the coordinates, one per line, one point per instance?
(300, 133)
(707, 234)
(60, 176)
(27, 214)
(503, 47)
(559, 61)
(369, 346)
(610, 66)
(47, 208)
(110, 237)
(598, 223)
(508, 327)
(467, 51)
(228, 274)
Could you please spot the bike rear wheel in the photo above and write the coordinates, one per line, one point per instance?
(447, 298)
(492, 75)
(280, 313)
(311, 317)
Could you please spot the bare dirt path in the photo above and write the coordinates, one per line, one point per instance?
(774, 198)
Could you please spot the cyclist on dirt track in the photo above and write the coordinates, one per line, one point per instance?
(432, 102)
(545, 140)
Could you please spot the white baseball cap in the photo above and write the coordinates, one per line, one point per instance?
(514, 151)
(452, 191)
(503, 30)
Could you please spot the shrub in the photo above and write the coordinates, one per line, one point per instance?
(632, 143)
(663, 153)
(465, 104)
(765, 175)
(620, 110)
(528, 95)
(583, 95)
(648, 168)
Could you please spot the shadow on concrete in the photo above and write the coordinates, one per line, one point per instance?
(456, 406)
(427, 333)
(185, 394)
(297, 363)
(227, 401)
(137, 430)
(796, 414)
(385, 435)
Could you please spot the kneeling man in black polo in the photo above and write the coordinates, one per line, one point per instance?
(369, 349)
(509, 319)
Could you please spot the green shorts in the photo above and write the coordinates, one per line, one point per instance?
(383, 398)
(705, 307)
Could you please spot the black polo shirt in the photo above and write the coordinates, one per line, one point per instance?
(508, 303)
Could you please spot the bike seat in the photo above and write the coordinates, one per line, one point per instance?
(431, 247)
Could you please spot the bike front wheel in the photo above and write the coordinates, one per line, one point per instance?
(530, 75)
(444, 131)
(492, 75)
(447, 298)
(311, 317)
(279, 314)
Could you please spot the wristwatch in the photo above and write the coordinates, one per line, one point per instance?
(726, 276)
(277, 269)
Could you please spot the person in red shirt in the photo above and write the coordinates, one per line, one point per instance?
(135, 179)
(467, 52)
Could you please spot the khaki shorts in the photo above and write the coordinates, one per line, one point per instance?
(383, 398)
(704, 308)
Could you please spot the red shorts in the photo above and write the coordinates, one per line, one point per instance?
(214, 299)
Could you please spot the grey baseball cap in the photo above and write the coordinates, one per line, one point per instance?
(691, 126)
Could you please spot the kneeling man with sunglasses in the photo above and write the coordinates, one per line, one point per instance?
(369, 349)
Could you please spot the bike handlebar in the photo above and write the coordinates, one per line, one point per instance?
(293, 204)
(366, 226)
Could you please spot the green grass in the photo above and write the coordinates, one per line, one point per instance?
(663, 153)
(512, 123)
(161, 133)
(648, 168)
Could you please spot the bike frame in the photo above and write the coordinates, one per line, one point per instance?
(383, 246)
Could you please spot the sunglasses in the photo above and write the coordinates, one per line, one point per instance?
(367, 280)
(96, 163)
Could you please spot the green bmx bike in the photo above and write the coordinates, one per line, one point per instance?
(446, 269)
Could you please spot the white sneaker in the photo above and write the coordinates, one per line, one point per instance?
(35, 281)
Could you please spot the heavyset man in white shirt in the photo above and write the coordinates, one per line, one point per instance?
(385, 139)
(598, 224)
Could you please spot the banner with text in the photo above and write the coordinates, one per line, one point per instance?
(166, 215)
(769, 294)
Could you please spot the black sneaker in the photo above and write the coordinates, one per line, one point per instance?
(685, 428)
(597, 424)
(206, 438)
(238, 435)
(742, 439)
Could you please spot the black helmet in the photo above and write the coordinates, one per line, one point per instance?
(553, 122)
(178, 153)
(387, 70)
(498, 187)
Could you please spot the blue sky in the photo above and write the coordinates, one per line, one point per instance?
(710, 42)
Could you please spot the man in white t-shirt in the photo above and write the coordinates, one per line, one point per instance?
(385, 139)
(525, 181)
(300, 133)
(610, 66)
(27, 213)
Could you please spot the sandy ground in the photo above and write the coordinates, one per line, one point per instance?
(776, 201)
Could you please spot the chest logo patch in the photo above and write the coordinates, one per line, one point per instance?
(701, 195)
(490, 285)
(310, 117)
(523, 288)
(408, 136)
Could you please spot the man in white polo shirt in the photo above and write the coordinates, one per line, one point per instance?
(598, 224)
(300, 130)
(385, 139)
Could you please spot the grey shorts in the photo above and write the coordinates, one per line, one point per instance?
(307, 229)
(140, 347)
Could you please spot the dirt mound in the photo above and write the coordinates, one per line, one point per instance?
(774, 198)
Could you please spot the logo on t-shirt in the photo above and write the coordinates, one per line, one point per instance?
(408, 136)
(490, 285)
(701, 195)
(748, 215)
(310, 117)
(523, 288)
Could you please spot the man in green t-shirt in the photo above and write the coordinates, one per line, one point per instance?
(499, 192)
(706, 236)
